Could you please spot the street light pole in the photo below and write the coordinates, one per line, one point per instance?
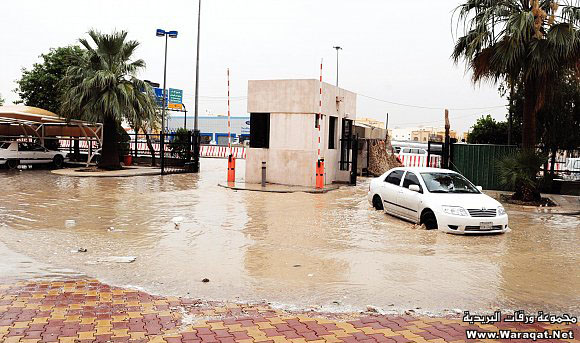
(164, 104)
(196, 137)
(166, 34)
(337, 48)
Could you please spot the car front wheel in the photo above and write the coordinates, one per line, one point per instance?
(429, 220)
(57, 161)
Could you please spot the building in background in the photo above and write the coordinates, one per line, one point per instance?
(421, 134)
(284, 133)
(214, 129)
(401, 134)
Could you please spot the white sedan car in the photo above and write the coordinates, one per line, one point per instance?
(14, 153)
(438, 198)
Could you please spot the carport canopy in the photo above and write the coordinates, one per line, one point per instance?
(18, 122)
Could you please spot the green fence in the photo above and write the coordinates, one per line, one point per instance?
(477, 162)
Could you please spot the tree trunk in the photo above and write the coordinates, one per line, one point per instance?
(110, 152)
(77, 150)
(529, 120)
(151, 149)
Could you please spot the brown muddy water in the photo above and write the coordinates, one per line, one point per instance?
(331, 252)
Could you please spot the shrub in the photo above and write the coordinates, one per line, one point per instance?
(519, 172)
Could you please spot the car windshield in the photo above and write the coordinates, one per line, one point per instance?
(4, 145)
(441, 182)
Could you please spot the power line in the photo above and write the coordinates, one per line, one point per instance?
(443, 120)
(428, 107)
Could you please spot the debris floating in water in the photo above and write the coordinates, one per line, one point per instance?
(117, 259)
(177, 222)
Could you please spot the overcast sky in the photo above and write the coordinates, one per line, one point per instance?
(396, 51)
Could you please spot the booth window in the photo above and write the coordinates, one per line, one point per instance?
(332, 123)
(260, 130)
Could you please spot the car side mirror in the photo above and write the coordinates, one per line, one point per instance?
(415, 188)
(479, 188)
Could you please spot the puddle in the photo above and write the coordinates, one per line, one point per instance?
(248, 245)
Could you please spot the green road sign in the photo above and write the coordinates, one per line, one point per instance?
(175, 96)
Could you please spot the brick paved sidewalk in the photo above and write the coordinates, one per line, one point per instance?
(89, 311)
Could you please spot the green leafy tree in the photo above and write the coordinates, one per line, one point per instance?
(105, 88)
(1, 100)
(40, 86)
(488, 131)
(559, 119)
(526, 41)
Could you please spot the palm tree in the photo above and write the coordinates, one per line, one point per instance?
(104, 88)
(528, 42)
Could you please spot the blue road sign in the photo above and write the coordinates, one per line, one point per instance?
(175, 96)
(159, 96)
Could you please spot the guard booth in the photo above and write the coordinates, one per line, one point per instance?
(284, 133)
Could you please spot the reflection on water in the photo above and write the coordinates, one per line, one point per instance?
(301, 250)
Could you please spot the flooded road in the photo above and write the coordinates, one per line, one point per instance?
(332, 251)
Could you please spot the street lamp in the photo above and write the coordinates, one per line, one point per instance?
(196, 136)
(166, 34)
(337, 48)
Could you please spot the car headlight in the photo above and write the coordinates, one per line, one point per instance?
(501, 211)
(455, 211)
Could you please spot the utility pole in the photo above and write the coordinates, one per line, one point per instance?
(387, 124)
(446, 146)
(337, 48)
(196, 137)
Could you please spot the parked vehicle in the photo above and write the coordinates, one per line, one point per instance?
(414, 151)
(572, 168)
(438, 198)
(14, 153)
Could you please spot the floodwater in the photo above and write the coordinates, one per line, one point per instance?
(331, 252)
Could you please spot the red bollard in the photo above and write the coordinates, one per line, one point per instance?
(231, 168)
(320, 174)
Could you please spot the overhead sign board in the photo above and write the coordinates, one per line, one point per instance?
(159, 96)
(175, 96)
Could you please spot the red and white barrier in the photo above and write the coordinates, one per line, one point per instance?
(420, 160)
(205, 150)
(221, 151)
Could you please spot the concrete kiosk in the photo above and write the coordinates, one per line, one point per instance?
(284, 134)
